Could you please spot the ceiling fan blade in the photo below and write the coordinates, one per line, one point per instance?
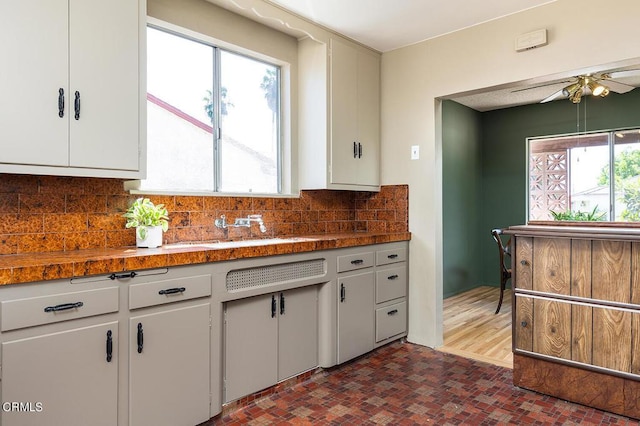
(552, 97)
(624, 73)
(543, 85)
(618, 87)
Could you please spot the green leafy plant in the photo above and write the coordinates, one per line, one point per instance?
(143, 213)
(579, 216)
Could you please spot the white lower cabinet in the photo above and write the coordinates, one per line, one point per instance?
(62, 378)
(355, 315)
(269, 338)
(169, 367)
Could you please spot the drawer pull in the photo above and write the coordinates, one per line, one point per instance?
(63, 307)
(392, 277)
(343, 293)
(172, 291)
(140, 338)
(392, 256)
(76, 106)
(523, 323)
(273, 306)
(392, 312)
(281, 303)
(121, 276)
(523, 262)
(357, 262)
(61, 102)
(109, 346)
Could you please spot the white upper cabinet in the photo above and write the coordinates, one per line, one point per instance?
(339, 119)
(72, 99)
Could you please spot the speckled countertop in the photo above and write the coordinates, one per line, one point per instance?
(23, 268)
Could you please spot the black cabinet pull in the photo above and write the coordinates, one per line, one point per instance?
(172, 290)
(393, 312)
(343, 293)
(140, 338)
(523, 262)
(109, 346)
(63, 307)
(281, 303)
(355, 149)
(523, 323)
(121, 276)
(61, 102)
(392, 256)
(359, 150)
(76, 105)
(357, 262)
(273, 306)
(392, 277)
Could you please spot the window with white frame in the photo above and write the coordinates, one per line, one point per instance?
(585, 177)
(213, 118)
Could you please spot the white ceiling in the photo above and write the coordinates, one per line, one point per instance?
(389, 24)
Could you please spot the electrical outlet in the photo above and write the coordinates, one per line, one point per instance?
(415, 152)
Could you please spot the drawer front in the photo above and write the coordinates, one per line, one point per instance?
(391, 321)
(21, 313)
(355, 261)
(391, 284)
(169, 291)
(384, 257)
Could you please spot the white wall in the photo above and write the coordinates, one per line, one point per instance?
(584, 35)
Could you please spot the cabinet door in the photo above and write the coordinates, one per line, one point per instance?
(33, 47)
(67, 373)
(169, 373)
(344, 116)
(297, 331)
(368, 119)
(104, 70)
(356, 322)
(251, 345)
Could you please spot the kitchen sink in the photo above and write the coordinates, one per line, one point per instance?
(240, 243)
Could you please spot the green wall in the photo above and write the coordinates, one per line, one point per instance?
(461, 196)
(497, 139)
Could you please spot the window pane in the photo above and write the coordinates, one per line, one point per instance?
(179, 110)
(626, 173)
(569, 176)
(249, 114)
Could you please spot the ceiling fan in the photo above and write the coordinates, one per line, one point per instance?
(598, 84)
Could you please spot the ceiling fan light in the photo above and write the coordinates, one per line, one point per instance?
(596, 89)
(577, 96)
(605, 92)
(571, 89)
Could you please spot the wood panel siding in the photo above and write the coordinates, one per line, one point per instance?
(551, 269)
(611, 273)
(612, 339)
(523, 262)
(552, 328)
(581, 333)
(581, 268)
(523, 323)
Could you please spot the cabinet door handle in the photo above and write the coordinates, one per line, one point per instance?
(109, 346)
(61, 102)
(355, 149)
(63, 307)
(76, 105)
(359, 150)
(172, 290)
(273, 306)
(140, 338)
(393, 312)
(357, 261)
(121, 276)
(392, 256)
(523, 262)
(343, 293)
(281, 303)
(392, 277)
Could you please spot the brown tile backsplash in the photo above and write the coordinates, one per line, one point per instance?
(49, 213)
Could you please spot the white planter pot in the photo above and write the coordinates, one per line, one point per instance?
(153, 239)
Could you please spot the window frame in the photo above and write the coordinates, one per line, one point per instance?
(286, 184)
(611, 209)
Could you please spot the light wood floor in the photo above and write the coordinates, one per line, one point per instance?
(473, 331)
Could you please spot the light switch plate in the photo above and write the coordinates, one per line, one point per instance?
(415, 152)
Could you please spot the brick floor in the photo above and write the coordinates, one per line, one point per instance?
(406, 384)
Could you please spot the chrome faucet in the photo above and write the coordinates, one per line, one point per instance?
(241, 222)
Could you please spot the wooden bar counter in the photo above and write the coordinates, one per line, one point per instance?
(576, 316)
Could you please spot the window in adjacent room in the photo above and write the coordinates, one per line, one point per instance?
(592, 176)
(213, 118)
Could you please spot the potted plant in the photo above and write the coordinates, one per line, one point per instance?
(149, 220)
